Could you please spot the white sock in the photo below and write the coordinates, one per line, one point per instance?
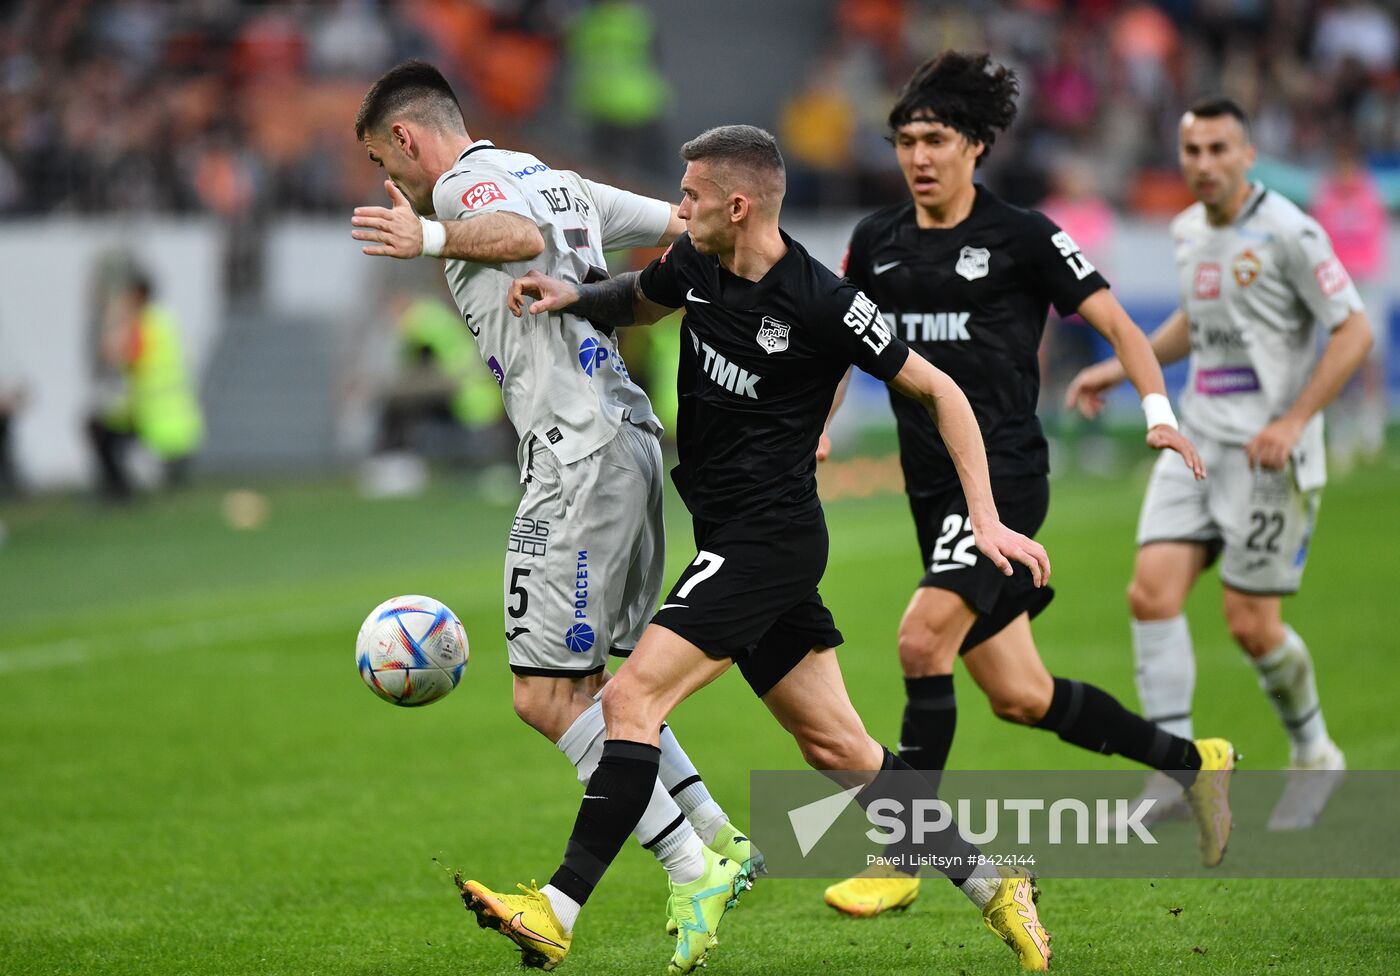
(1286, 675)
(663, 829)
(1166, 672)
(692, 796)
(981, 884)
(565, 908)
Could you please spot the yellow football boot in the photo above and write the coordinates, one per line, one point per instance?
(1012, 917)
(526, 919)
(1209, 796)
(876, 889)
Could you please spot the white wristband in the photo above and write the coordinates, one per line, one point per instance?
(434, 237)
(1159, 411)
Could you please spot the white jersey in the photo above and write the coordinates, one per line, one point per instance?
(562, 380)
(1254, 293)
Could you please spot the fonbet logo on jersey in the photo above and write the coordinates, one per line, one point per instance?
(481, 194)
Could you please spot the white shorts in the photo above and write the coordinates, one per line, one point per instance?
(1258, 521)
(585, 560)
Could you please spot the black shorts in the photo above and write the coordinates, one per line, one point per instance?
(751, 594)
(953, 562)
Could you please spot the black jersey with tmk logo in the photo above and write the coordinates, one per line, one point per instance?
(760, 361)
(972, 299)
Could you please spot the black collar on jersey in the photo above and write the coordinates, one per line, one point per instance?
(741, 294)
(476, 147)
(978, 202)
(1252, 202)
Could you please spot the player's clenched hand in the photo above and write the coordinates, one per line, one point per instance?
(1004, 546)
(550, 294)
(1272, 445)
(397, 232)
(1086, 390)
(1164, 438)
(824, 446)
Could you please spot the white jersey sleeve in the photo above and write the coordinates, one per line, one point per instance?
(1317, 274)
(628, 219)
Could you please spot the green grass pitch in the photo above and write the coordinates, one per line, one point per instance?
(193, 779)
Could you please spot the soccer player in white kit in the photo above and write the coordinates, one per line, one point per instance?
(584, 559)
(1256, 276)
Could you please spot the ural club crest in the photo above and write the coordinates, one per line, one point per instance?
(773, 335)
(1247, 268)
(972, 262)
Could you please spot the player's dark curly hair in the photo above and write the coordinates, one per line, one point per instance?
(966, 92)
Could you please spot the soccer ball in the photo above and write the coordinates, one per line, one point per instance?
(411, 650)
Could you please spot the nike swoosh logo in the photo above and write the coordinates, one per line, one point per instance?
(517, 925)
(880, 269)
(470, 328)
(587, 797)
(690, 296)
(665, 606)
(517, 632)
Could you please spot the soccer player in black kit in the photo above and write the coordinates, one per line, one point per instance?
(768, 334)
(967, 280)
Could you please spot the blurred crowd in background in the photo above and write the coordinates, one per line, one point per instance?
(235, 107)
(243, 110)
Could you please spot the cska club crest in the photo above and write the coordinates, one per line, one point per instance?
(972, 263)
(773, 335)
(1247, 268)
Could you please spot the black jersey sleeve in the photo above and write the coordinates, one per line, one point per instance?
(660, 281)
(1063, 272)
(850, 325)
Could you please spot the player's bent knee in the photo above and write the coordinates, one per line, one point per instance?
(1250, 630)
(1023, 706)
(538, 707)
(838, 749)
(627, 708)
(1151, 601)
(922, 651)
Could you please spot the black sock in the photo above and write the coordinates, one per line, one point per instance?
(1092, 719)
(947, 847)
(930, 718)
(614, 800)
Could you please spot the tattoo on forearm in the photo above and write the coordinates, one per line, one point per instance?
(609, 303)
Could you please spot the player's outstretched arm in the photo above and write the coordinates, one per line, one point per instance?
(490, 238)
(1136, 358)
(615, 302)
(1347, 348)
(947, 405)
(1169, 343)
